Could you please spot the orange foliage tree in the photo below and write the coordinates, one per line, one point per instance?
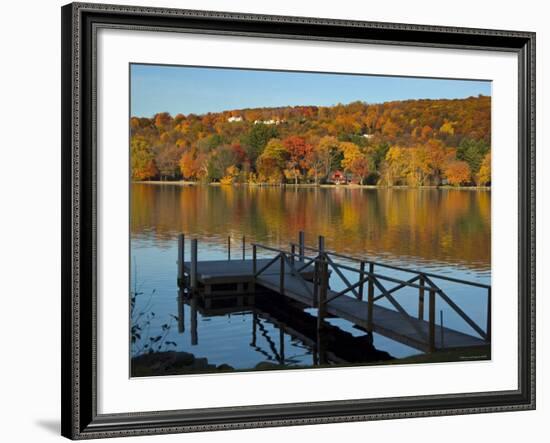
(457, 172)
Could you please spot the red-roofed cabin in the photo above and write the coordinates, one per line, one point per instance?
(338, 178)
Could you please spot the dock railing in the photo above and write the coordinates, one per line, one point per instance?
(367, 278)
(325, 264)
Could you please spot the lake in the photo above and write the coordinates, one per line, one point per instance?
(443, 231)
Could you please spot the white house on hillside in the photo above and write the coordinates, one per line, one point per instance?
(268, 122)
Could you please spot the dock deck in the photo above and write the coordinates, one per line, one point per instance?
(219, 272)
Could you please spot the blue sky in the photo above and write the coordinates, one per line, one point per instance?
(180, 89)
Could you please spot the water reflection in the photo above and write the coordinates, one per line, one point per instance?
(281, 335)
(429, 226)
(443, 231)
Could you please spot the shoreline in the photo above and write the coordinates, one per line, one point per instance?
(309, 185)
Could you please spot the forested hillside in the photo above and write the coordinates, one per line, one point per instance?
(412, 142)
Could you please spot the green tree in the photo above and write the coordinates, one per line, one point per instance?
(256, 140)
(472, 152)
(329, 154)
(219, 161)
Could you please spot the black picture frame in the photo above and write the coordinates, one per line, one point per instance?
(79, 179)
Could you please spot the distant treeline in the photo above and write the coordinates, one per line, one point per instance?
(412, 142)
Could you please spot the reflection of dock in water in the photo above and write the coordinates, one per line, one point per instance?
(331, 345)
(302, 274)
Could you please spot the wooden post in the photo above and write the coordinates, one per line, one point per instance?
(321, 347)
(301, 243)
(432, 319)
(316, 351)
(181, 312)
(323, 283)
(228, 247)
(361, 277)
(441, 345)
(194, 258)
(181, 259)
(315, 283)
(244, 247)
(194, 333)
(293, 253)
(254, 268)
(323, 288)
(282, 274)
(421, 298)
(488, 328)
(370, 299)
(254, 254)
(254, 327)
(281, 345)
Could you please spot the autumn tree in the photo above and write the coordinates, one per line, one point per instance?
(167, 160)
(395, 167)
(418, 168)
(187, 165)
(134, 124)
(360, 167)
(162, 120)
(298, 153)
(271, 164)
(484, 174)
(232, 174)
(457, 172)
(436, 157)
(350, 151)
(194, 165)
(143, 163)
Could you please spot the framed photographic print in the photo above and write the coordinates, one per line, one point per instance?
(273, 221)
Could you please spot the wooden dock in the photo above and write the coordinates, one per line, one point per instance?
(305, 279)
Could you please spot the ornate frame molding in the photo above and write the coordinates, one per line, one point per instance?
(79, 391)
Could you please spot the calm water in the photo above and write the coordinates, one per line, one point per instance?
(441, 231)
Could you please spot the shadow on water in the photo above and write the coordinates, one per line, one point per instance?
(278, 328)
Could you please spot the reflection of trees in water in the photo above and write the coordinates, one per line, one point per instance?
(442, 225)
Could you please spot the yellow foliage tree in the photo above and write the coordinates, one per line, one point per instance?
(484, 174)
